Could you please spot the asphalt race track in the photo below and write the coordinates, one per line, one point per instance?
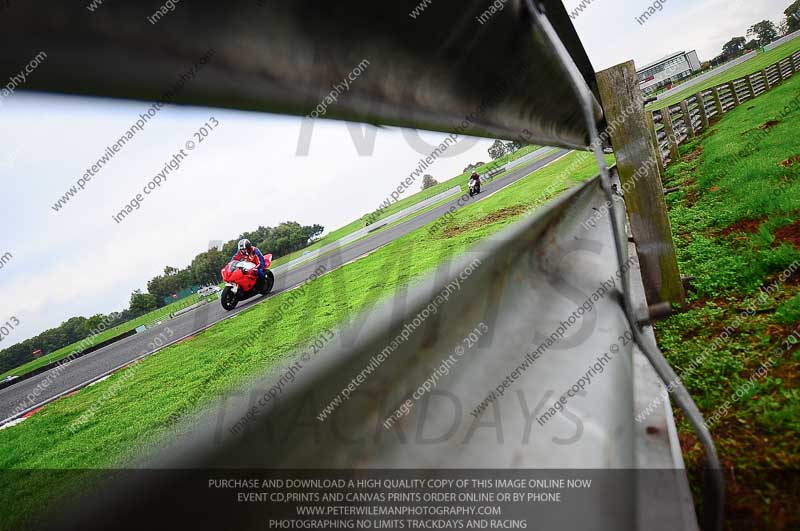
(94, 366)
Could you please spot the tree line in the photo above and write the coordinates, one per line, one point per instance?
(760, 34)
(284, 239)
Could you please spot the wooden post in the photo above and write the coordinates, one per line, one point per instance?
(687, 119)
(750, 87)
(791, 66)
(766, 80)
(780, 70)
(732, 87)
(701, 105)
(651, 126)
(717, 102)
(672, 140)
(641, 183)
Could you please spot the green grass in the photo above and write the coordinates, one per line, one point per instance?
(735, 225)
(406, 202)
(453, 182)
(184, 377)
(760, 61)
(102, 336)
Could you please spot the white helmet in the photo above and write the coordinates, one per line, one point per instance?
(245, 246)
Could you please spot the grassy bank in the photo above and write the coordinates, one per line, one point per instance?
(127, 326)
(184, 377)
(406, 202)
(760, 61)
(735, 224)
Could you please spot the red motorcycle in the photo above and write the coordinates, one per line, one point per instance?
(242, 281)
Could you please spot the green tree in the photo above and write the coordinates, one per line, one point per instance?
(141, 303)
(497, 150)
(513, 146)
(765, 31)
(793, 16)
(733, 48)
(428, 181)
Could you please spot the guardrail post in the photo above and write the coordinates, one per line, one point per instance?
(717, 101)
(651, 126)
(767, 86)
(672, 140)
(732, 87)
(750, 86)
(780, 70)
(641, 183)
(701, 105)
(687, 119)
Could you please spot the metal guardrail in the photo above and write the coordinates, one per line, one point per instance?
(360, 233)
(782, 40)
(524, 285)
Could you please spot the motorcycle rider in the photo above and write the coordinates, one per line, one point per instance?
(477, 178)
(247, 251)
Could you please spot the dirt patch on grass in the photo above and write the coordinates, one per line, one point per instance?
(768, 125)
(747, 226)
(789, 234)
(500, 215)
(690, 157)
(790, 161)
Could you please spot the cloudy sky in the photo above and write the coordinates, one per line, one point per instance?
(611, 34)
(79, 261)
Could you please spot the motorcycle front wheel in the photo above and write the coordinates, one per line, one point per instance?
(228, 298)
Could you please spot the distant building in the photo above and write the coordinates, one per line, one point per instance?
(667, 70)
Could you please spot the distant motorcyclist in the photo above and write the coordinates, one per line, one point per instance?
(247, 251)
(474, 183)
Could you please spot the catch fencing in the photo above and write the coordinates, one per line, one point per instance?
(676, 124)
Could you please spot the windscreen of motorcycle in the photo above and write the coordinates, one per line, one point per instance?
(243, 264)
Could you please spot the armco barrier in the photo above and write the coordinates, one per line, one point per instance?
(45, 368)
(782, 40)
(522, 287)
(421, 75)
(353, 236)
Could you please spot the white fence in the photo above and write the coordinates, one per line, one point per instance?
(782, 40)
